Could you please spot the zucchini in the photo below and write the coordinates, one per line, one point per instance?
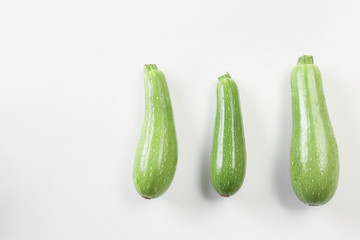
(156, 153)
(314, 158)
(228, 158)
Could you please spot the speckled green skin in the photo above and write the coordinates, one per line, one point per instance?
(156, 154)
(314, 160)
(228, 158)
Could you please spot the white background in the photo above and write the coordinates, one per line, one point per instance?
(72, 104)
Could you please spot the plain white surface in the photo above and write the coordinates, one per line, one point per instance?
(71, 109)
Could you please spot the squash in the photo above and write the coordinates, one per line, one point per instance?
(156, 153)
(314, 158)
(228, 158)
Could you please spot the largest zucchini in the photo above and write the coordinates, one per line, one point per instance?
(314, 160)
(156, 153)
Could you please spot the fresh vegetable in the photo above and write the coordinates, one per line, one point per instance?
(228, 159)
(314, 160)
(156, 154)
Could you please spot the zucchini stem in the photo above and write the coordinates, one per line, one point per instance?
(150, 67)
(225, 76)
(306, 59)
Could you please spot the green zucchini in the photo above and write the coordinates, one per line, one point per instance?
(156, 153)
(228, 158)
(314, 158)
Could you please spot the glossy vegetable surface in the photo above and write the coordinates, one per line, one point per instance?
(156, 154)
(314, 160)
(228, 158)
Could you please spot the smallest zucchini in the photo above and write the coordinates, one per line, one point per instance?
(228, 158)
